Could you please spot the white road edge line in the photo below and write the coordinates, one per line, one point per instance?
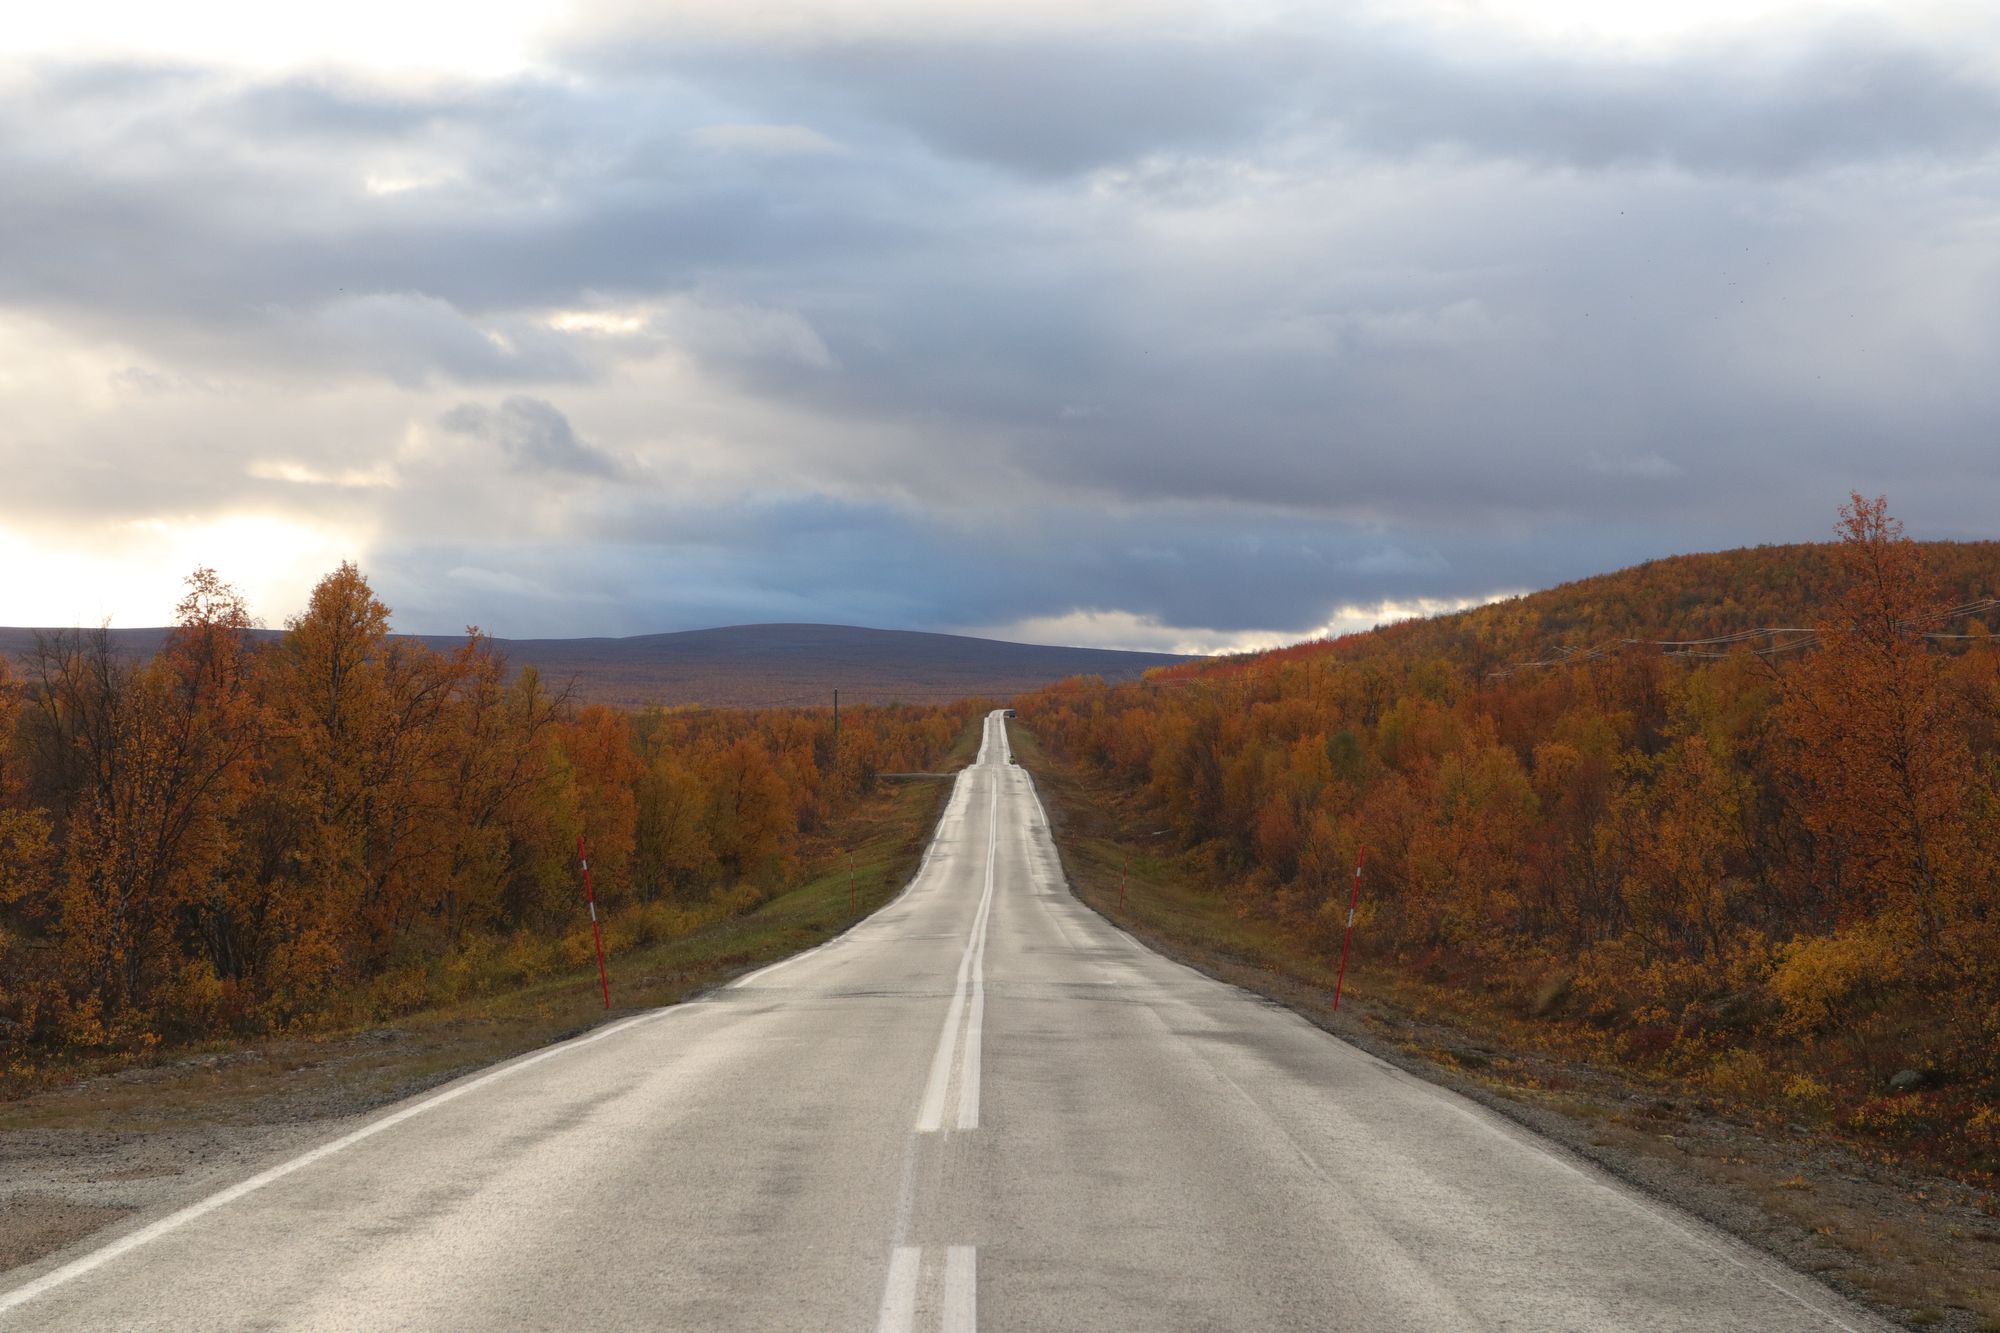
(83, 1264)
(1705, 1236)
(961, 1289)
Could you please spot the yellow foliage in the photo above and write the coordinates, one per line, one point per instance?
(1739, 1074)
(196, 995)
(1983, 1128)
(1822, 980)
(1807, 1091)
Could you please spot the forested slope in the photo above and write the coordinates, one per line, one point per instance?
(1774, 870)
(1676, 603)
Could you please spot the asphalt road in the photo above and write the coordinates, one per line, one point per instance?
(981, 1107)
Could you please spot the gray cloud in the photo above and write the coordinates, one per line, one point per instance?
(815, 559)
(534, 436)
(1051, 104)
(1773, 100)
(1221, 327)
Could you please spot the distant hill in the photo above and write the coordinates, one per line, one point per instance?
(757, 665)
(1677, 598)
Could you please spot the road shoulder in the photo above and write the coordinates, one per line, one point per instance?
(1918, 1250)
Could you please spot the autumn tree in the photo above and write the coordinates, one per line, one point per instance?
(598, 744)
(1884, 776)
(496, 758)
(674, 854)
(753, 817)
(324, 687)
(26, 860)
(149, 837)
(1879, 757)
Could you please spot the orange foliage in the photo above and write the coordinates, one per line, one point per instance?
(1699, 852)
(231, 838)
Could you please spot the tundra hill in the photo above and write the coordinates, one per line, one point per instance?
(1683, 597)
(762, 665)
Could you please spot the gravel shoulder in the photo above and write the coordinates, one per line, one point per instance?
(130, 1146)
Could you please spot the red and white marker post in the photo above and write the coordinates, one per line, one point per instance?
(1347, 941)
(603, 977)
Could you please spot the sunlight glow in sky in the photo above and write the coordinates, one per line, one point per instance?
(488, 38)
(135, 577)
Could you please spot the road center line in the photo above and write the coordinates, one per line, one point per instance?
(949, 1301)
(930, 1117)
(975, 1025)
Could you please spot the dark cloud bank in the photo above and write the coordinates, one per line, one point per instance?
(1223, 328)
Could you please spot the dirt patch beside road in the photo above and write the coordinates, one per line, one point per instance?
(34, 1224)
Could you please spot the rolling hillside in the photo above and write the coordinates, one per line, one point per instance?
(756, 665)
(1770, 877)
(1683, 597)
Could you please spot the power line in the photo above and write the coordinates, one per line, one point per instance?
(1703, 648)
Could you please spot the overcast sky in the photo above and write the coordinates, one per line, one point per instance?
(1143, 325)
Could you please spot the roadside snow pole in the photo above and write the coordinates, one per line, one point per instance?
(603, 977)
(1348, 939)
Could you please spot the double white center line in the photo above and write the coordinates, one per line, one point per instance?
(956, 1305)
(952, 1055)
(946, 1293)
